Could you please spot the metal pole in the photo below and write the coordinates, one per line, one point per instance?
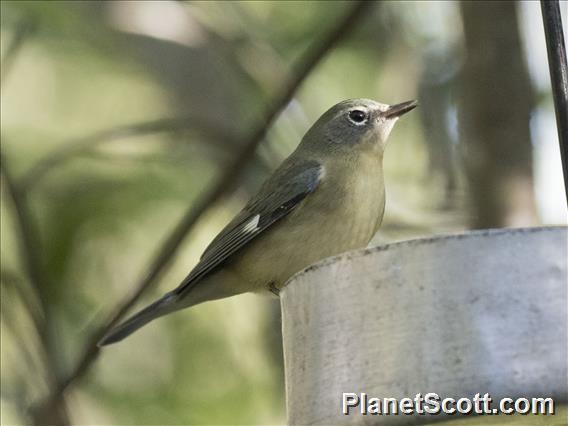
(558, 75)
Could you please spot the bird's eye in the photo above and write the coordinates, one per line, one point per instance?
(358, 117)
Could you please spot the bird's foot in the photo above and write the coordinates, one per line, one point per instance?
(273, 289)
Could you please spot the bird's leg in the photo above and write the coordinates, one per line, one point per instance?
(273, 289)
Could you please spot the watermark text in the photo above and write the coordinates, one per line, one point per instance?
(432, 403)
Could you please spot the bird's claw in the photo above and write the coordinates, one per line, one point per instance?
(273, 289)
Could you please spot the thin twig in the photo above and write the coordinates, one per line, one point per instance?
(23, 30)
(13, 324)
(558, 76)
(222, 186)
(28, 242)
(71, 148)
(11, 279)
(29, 251)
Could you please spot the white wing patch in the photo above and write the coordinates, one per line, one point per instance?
(252, 224)
(321, 173)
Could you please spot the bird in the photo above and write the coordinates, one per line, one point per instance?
(326, 198)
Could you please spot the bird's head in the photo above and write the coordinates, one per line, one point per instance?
(355, 124)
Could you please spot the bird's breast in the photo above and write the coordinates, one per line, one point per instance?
(348, 209)
(342, 214)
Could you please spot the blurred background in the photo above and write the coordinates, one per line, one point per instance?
(122, 123)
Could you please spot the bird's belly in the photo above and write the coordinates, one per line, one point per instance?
(305, 237)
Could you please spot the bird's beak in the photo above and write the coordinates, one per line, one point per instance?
(400, 109)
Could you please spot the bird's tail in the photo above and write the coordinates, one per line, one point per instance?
(161, 307)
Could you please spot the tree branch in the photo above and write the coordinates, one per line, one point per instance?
(223, 185)
(76, 146)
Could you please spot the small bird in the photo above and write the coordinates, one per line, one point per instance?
(326, 198)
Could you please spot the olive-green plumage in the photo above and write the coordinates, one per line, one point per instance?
(327, 197)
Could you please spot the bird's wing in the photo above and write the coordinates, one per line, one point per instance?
(292, 184)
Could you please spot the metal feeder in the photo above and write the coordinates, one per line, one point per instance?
(479, 312)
